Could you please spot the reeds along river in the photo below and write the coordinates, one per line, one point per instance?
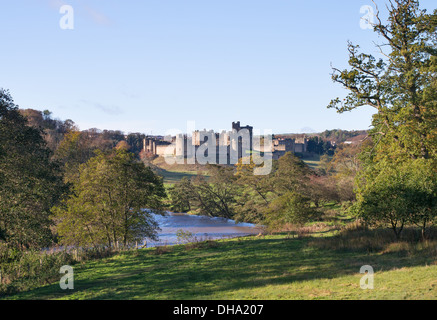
(203, 228)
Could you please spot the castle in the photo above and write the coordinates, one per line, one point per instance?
(226, 147)
(283, 145)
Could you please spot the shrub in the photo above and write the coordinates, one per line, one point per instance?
(357, 237)
(25, 270)
(185, 236)
(291, 208)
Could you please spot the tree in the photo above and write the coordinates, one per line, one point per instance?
(325, 166)
(422, 185)
(383, 199)
(290, 208)
(322, 189)
(217, 196)
(284, 196)
(112, 202)
(73, 151)
(256, 193)
(123, 145)
(398, 194)
(53, 129)
(344, 167)
(181, 196)
(135, 141)
(401, 86)
(30, 183)
(290, 174)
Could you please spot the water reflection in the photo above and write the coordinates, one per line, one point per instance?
(203, 228)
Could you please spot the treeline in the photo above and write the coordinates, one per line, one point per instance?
(62, 186)
(291, 194)
(339, 136)
(319, 146)
(54, 131)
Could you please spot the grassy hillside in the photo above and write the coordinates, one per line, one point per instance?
(274, 267)
(174, 173)
(172, 177)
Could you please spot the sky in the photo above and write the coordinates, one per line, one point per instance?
(150, 66)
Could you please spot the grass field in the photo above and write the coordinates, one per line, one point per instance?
(174, 173)
(313, 164)
(172, 177)
(274, 267)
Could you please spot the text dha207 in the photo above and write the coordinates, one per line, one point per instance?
(220, 310)
(239, 309)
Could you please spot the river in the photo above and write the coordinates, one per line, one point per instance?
(203, 228)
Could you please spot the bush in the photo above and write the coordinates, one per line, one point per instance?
(185, 236)
(25, 270)
(398, 195)
(357, 237)
(161, 250)
(291, 208)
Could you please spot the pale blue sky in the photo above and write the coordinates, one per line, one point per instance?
(152, 65)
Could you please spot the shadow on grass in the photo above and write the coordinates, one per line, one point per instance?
(203, 273)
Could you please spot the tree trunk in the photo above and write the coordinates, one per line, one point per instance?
(424, 235)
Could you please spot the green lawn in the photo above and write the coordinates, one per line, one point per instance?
(172, 177)
(274, 267)
(313, 164)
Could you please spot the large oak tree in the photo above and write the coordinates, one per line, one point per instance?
(402, 87)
